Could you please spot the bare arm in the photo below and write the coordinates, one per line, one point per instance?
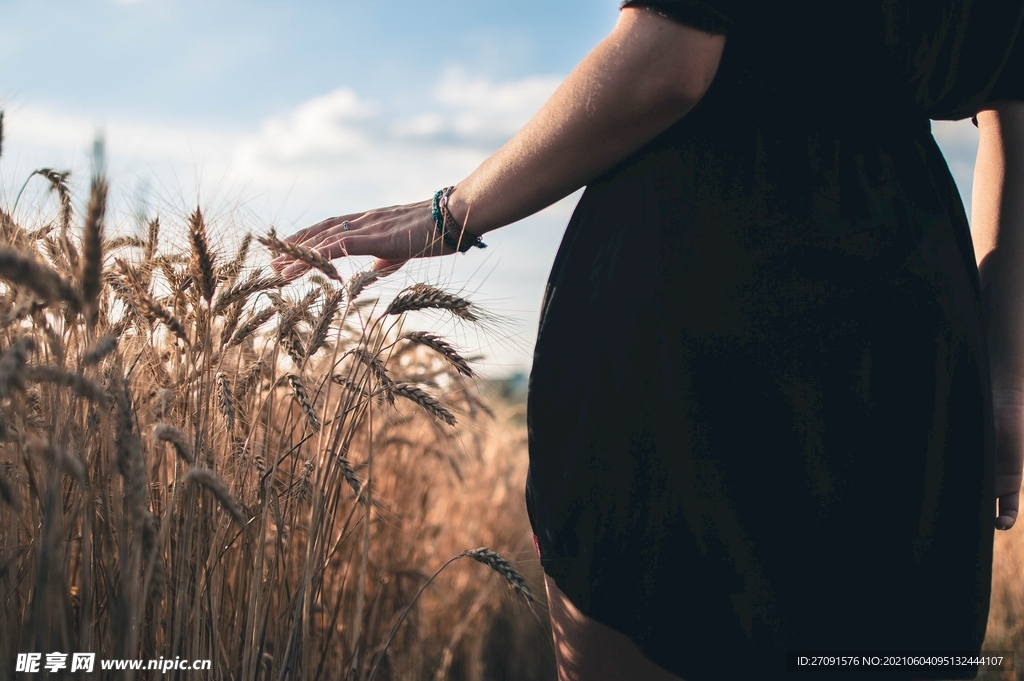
(646, 75)
(643, 78)
(998, 230)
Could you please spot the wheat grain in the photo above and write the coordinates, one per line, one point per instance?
(300, 253)
(79, 384)
(230, 271)
(252, 324)
(376, 366)
(177, 439)
(123, 242)
(504, 568)
(227, 403)
(201, 268)
(443, 348)
(59, 183)
(302, 397)
(23, 270)
(290, 340)
(424, 399)
(318, 335)
(9, 493)
(424, 296)
(151, 554)
(152, 238)
(231, 322)
(305, 482)
(249, 380)
(12, 364)
(350, 477)
(241, 292)
(58, 456)
(100, 349)
(92, 249)
(148, 306)
(360, 281)
(204, 477)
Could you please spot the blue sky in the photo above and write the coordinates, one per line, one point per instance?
(285, 113)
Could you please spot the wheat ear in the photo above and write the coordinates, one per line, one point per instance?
(482, 555)
(302, 397)
(300, 253)
(227, 402)
(423, 297)
(202, 261)
(177, 439)
(443, 348)
(79, 384)
(23, 270)
(204, 477)
(424, 399)
(92, 248)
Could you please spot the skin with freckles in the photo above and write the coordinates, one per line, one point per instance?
(646, 75)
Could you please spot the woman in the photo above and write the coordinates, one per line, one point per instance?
(772, 406)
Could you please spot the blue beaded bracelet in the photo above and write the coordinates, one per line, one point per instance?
(443, 220)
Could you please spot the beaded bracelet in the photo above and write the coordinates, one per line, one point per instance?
(445, 223)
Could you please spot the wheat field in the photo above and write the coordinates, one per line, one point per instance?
(199, 461)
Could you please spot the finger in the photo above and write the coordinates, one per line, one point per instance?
(386, 267)
(294, 271)
(381, 245)
(305, 236)
(1009, 505)
(339, 231)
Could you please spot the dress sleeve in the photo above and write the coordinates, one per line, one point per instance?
(1011, 79)
(1010, 84)
(712, 16)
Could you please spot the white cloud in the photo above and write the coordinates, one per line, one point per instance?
(329, 155)
(324, 128)
(486, 110)
(359, 152)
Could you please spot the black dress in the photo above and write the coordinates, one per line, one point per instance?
(760, 416)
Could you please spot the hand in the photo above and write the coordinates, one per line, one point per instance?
(1009, 416)
(393, 234)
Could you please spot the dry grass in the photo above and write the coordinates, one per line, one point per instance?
(199, 462)
(1006, 611)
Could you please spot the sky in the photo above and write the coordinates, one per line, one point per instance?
(285, 113)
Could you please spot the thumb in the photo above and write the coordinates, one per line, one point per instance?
(1008, 508)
